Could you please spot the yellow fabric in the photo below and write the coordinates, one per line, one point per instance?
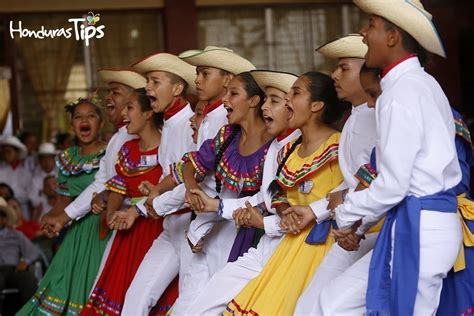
(376, 228)
(290, 269)
(466, 212)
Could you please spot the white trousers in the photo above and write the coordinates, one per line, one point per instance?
(335, 263)
(229, 281)
(214, 256)
(440, 242)
(168, 256)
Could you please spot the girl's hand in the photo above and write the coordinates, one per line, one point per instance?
(208, 204)
(145, 188)
(98, 205)
(290, 223)
(304, 215)
(123, 220)
(248, 216)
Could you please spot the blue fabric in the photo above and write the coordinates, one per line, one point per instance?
(457, 296)
(464, 151)
(319, 232)
(396, 295)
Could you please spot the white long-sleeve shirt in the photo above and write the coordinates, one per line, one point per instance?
(81, 204)
(176, 139)
(357, 140)
(415, 147)
(172, 201)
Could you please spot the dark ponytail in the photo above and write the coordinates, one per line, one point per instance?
(321, 88)
(274, 188)
(252, 89)
(220, 152)
(145, 106)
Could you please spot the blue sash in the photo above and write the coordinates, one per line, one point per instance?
(396, 295)
(319, 232)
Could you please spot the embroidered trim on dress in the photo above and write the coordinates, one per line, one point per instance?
(69, 162)
(289, 179)
(462, 130)
(366, 174)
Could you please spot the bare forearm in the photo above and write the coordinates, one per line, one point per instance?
(114, 202)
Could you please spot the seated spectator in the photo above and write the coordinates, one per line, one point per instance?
(16, 256)
(13, 171)
(30, 140)
(46, 167)
(48, 197)
(31, 229)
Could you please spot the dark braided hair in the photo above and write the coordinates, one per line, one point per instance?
(251, 88)
(222, 149)
(274, 188)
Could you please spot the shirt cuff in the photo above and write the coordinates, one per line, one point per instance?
(271, 225)
(320, 210)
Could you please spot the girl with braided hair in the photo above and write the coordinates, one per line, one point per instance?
(308, 170)
(236, 157)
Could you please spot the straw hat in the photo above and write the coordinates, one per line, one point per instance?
(350, 46)
(15, 142)
(169, 63)
(276, 79)
(9, 212)
(127, 77)
(409, 15)
(218, 57)
(47, 149)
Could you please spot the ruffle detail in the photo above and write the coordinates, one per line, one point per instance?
(462, 130)
(289, 178)
(130, 168)
(366, 174)
(236, 172)
(70, 162)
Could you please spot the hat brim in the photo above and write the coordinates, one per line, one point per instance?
(126, 77)
(350, 46)
(221, 59)
(282, 81)
(16, 144)
(408, 17)
(169, 63)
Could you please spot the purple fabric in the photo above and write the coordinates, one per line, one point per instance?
(242, 243)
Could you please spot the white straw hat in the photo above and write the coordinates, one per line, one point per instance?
(47, 149)
(15, 142)
(350, 46)
(10, 213)
(169, 63)
(127, 77)
(275, 79)
(218, 57)
(409, 15)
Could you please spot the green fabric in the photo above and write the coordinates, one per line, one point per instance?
(71, 182)
(68, 281)
(66, 285)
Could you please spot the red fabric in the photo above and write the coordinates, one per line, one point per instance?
(121, 124)
(29, 229)
(127, 252)
(177, 106)
(285, 134)
(132, 182)
(211, 107)
(387, 69)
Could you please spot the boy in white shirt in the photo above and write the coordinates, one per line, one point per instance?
(417, 168)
